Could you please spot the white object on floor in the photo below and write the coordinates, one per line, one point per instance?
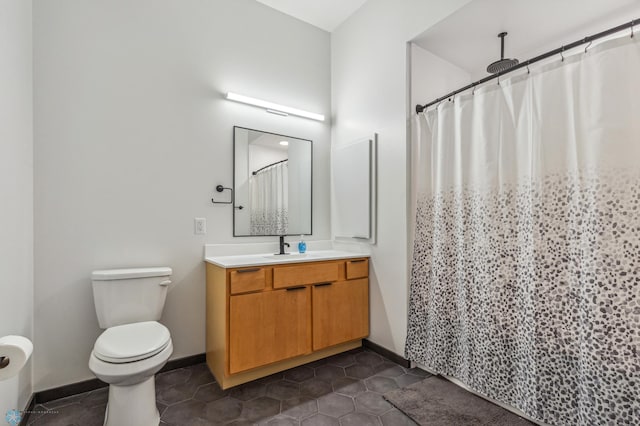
(134, 346)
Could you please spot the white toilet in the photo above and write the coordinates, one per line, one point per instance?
(134, 346)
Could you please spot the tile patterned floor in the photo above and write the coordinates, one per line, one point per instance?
(343, 390)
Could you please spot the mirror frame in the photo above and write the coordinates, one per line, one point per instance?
(234, 182)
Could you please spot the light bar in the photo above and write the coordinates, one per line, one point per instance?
(274, 107)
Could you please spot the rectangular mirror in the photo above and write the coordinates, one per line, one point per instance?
(272, 184)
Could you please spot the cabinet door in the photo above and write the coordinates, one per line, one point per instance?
(268, 327)
(340, 312)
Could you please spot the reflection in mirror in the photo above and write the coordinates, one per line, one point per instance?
(272, 184)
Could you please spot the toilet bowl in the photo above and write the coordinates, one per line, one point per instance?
(134, 346)
(127, 357)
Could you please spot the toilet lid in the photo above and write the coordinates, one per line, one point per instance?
(131, 342)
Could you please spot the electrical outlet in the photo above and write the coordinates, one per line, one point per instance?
(200, 225)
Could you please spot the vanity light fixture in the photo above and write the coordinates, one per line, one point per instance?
(274, 108)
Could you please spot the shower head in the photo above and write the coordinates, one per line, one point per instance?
(503, 64)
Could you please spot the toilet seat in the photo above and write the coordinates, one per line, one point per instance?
(131, 342)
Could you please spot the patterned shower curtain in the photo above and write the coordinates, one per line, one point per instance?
(269, 201)
(525, 280)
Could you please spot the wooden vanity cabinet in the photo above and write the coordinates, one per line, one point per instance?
(268, 326)
(265, 319)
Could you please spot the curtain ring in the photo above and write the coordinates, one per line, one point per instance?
(588, 46)
(632, 24)
(528, 70)
(562, 53)
(473, 91)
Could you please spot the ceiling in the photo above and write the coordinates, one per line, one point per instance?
(268, 140)
(325, 14)
(468, 37)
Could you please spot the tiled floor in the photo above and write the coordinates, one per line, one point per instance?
(344, 390)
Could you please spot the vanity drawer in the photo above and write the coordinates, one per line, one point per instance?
(357, 268)
(246, 280)
(309, 273)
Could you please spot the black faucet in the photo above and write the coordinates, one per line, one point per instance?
(282, 244)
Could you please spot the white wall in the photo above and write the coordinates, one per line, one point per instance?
(369, 94)
(16, 189)
(433, 77)
(132, 134)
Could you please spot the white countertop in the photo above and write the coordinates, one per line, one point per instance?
(271, 259)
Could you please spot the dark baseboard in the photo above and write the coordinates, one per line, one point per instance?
(27, 411)
(187, 361)
(93, 384)
(386, 353)
(68, 390)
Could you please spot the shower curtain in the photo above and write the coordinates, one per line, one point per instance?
(269, 200)
(525, 279)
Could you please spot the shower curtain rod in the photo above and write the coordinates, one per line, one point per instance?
(267, 166)
(560, 50)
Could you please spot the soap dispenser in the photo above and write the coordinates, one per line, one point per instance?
(302, 246)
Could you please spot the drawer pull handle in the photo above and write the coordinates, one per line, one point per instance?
(322, 284)
(244, 271)
(357, 261)
(296, 288)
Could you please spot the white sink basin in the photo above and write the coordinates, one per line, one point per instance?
(286, 256)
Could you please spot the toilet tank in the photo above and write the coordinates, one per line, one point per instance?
(125, 296)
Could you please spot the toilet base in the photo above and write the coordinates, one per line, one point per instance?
(133, 405)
